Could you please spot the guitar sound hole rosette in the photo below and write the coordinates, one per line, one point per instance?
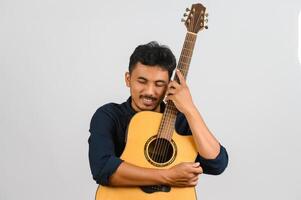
(160, 152)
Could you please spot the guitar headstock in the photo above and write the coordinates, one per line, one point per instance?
(196, 18)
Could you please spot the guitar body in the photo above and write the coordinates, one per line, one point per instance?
(144, 126)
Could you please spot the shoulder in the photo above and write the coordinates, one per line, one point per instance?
(110, 110)
(108, 116)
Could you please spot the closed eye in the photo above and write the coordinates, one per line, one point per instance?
(142, 81)
(160, 84)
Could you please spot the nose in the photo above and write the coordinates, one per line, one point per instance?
(150, 90)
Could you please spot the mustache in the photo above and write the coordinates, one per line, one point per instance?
(149, 97)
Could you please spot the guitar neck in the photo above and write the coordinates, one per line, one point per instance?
(186, 54)
(169, 117)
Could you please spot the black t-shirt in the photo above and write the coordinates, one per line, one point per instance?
(108, 130)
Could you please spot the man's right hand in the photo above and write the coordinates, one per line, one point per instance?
(184, 174)
(181, 175)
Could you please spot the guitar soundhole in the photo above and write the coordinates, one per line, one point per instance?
(161, 151)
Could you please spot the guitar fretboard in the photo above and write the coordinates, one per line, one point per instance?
(167, 124)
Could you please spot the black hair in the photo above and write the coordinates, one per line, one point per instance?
(152, 54)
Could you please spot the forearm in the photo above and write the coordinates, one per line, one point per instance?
(207, 145)
(131, 175)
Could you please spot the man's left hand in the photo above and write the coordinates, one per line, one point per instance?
(180, 95)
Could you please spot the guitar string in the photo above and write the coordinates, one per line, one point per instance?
(155, 187)
(184, 71)
(170, 128)
(164, 142)
(158, 143)
(161, 135)
(155, 150)
(169, 112)
(161, 132)
(173, 110)
(169, 115)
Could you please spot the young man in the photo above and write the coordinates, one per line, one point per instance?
(150, 70)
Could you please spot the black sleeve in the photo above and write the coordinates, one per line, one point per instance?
(103, 162)
(210, 166)
(214, 166)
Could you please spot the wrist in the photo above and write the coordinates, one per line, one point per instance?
(164, 176)
(191, 109)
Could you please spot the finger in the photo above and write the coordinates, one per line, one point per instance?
(181, 184)
(191, 176)
(171, 88)
(170, 92)
(194, 179)
(174, 84)
(197, 170)
(187, 182)
(198, 173)
(181, 77)
(189, 163)
(169, 97)
(200, 170)
(194, 183)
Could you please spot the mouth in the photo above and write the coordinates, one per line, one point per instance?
(148, 101)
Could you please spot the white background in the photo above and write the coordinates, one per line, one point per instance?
(61, 59)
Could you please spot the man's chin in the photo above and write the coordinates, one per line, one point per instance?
(148, 108)
(144, 107)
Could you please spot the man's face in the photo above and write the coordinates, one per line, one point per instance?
(147, 86)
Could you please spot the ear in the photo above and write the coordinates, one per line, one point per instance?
(127, 78)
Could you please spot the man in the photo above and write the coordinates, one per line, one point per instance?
(150, 70)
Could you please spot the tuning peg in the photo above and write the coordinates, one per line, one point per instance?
(183, 20)
(185, 15)
(187, 9)
(206, 27)
(206, 14)
(206, 20)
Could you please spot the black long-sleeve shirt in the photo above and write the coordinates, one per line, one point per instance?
(108, 130)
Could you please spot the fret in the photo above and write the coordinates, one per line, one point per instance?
(182, 63)
(183, 59)
(189, 41)
(187, 46)
(186, 56)
(186, 60)
(188, 49)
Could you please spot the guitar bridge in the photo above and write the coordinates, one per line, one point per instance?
(155, 188)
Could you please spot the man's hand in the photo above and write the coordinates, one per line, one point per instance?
(180, 95)
(184, 174)
(181, 175)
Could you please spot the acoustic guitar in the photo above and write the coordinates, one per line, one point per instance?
(152, 141)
